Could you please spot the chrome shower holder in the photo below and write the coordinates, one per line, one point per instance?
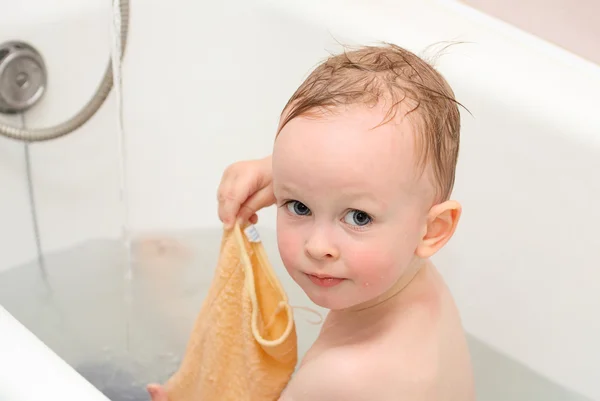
(23, 77)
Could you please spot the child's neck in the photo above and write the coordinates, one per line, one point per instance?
(372, 316)
(394, 292)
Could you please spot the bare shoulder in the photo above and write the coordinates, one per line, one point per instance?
(414, 351)
(430, 343)
(356, 375)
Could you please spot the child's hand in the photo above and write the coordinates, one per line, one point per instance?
(245, 188)
(157, 392)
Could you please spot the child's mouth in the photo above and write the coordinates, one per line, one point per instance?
(324, 281)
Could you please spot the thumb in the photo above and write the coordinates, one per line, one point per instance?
(260, 199)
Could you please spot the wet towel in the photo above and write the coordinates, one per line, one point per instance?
(243, 346)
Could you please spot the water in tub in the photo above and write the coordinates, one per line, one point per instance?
(82, 313)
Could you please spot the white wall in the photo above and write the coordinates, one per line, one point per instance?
(204, 86)
(75, 177)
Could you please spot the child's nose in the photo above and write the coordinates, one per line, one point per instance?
(320, 247)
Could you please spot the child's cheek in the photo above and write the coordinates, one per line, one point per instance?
(372, 267)
(289, 244)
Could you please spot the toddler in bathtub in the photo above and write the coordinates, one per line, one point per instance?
(361, 173)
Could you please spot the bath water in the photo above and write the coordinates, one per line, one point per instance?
(84, 315)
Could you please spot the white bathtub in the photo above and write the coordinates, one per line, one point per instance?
(203, 87)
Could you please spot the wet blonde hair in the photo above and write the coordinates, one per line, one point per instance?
(370, 74)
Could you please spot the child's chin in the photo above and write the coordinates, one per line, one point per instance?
(329, 301)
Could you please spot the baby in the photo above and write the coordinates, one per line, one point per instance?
(361, 173)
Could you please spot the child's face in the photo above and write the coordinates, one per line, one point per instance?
(350, 206)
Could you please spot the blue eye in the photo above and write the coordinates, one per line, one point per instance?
(298, 208)
(358, 218)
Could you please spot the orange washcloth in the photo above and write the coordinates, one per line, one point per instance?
(243, 346)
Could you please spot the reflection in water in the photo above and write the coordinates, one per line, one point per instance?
(84, 316)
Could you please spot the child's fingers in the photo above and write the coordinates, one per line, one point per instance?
(254, 218)
(231, 195)
(262, 198)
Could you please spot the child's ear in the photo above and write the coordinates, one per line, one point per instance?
(442, 220)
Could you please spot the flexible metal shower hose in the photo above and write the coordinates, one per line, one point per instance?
(48, 133)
